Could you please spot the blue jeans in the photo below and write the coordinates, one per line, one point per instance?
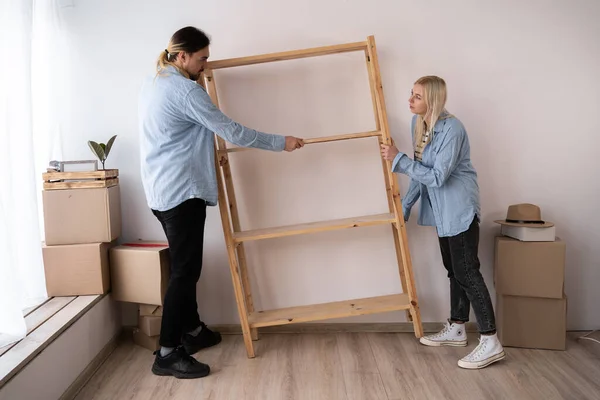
(467, 287)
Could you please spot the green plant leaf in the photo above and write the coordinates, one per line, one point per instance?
(109, 145)
(103, 147)
(97, 150)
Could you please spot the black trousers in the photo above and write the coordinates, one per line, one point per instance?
(184, 227)
(467, 287)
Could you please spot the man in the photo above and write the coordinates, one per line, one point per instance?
(177, 123)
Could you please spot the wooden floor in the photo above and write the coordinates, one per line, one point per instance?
(361, 366)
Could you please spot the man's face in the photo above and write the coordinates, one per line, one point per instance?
(194, 63)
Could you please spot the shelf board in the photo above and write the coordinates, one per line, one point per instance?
(338, 309)
(337, 138)
(324, 139)
(286, 55)
(313, 227)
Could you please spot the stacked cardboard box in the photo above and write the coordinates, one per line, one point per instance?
(81, 223)
(140, 274)
(147, 334)
(529, 271)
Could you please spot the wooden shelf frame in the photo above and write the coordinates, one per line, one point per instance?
(235, 237)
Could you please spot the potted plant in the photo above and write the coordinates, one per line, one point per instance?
(101, 150)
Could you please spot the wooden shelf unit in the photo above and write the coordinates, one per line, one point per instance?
(235, 237)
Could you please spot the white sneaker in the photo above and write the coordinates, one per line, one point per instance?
(488, 351)
(452, 335)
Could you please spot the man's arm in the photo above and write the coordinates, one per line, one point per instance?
(200, 109)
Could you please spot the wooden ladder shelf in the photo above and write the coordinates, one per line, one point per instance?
(235, 237)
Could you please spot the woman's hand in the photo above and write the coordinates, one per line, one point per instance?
(389, 152)
(292, 143)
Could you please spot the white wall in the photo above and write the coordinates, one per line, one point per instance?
(54, 370)
(522, 76)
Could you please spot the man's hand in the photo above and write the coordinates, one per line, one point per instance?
(389, 152)
(292, 143)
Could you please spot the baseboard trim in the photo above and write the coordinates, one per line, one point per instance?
(392, 327)
(91, 369)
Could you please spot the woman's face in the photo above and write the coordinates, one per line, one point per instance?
(417, 100)
(194, 63)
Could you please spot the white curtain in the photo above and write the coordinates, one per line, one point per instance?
(30, 128)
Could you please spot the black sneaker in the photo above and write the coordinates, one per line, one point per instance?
(179, 364)
(206, 338)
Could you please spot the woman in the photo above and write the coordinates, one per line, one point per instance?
(442, 175)
(177, 120)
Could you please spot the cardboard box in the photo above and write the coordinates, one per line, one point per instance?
(150, 325)
(140, 272)
(77, 270)
(532, 322)
(527, 234)
(77, 216)
(530, 269)
(147, 310)
(148, 342)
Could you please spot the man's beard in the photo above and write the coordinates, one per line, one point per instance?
(195, 77)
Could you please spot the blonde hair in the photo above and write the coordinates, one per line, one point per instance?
(164, 60)
(168, 56)
(435, 95)
(188, 39)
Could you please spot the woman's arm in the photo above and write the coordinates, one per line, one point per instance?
(445, 161)
(201, 110)
(410, 198)
(414, 191)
